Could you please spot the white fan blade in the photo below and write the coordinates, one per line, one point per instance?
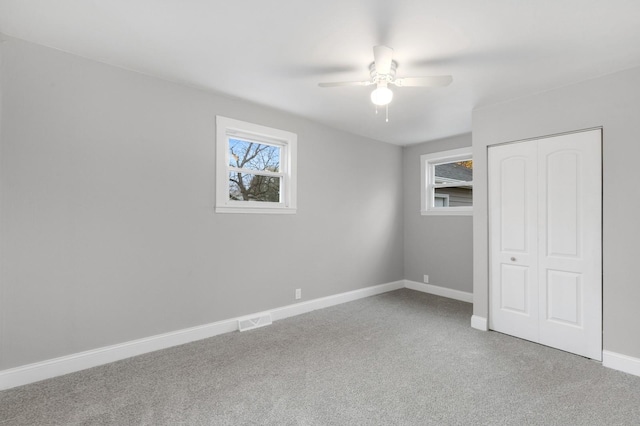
(346, 83)
(383, 55)
(433, 81)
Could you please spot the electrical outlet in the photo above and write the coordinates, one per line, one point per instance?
(426, 279)
(298, 293)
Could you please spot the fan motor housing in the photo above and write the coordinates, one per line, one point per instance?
(375, 76)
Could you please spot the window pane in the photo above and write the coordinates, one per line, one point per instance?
(251, 187)
(457, 196)
(254, 156)
(457, 171)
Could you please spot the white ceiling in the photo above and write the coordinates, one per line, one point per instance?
(275, 52)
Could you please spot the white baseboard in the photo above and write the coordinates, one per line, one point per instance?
(336, 299)
(479, 323)
(82, 360)
(92, 358)
(439, 291)
(621, 362)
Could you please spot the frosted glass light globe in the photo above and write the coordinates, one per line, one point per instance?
(381, 96)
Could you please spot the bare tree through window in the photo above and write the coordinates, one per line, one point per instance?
(254, 166)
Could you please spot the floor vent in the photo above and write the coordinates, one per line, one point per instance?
(256, 321)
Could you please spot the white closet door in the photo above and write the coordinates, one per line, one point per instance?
(570, 247)
(545, 200)
(513, 231)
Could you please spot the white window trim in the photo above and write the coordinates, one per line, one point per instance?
(226, 127)
(445, 197)
(427, 161)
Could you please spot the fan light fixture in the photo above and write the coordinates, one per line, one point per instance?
(383, 72)
(382, 95)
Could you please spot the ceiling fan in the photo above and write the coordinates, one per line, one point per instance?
(383, 73)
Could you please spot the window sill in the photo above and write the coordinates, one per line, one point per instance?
(446, 212)
(256, 210)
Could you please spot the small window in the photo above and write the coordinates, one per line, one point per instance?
(447, 182)
(255, 168)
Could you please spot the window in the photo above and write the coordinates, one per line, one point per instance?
(447, 182)
(255, 168)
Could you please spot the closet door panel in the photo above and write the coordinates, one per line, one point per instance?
(569, 210)
(513, 258)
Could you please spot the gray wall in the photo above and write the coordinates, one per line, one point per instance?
(613, 102)
(439, 246)
(107, 226)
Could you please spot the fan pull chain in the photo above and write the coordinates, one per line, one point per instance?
(387, 118)
(376, 109)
